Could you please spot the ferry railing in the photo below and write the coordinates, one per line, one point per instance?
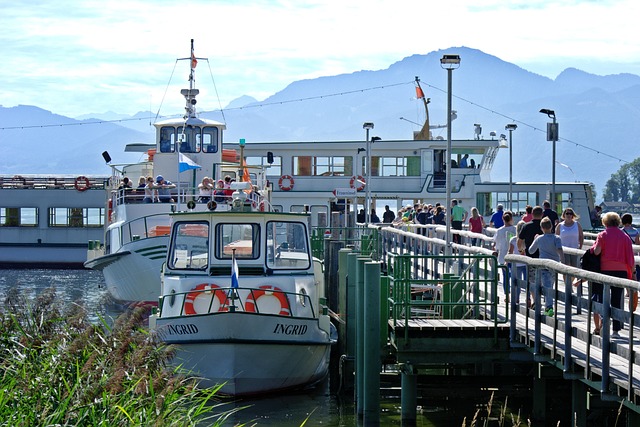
(579, 347)
(362, 239)
(231, 301)
(608, 362)
(470, 293)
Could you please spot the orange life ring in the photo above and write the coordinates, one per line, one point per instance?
(357, 180)
(287, 187)
(205, 289)
(254, 296)
(82, 183)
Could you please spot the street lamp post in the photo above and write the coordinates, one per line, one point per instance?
(511, 127)
(552, 135)
(450, 63)
(367, 126)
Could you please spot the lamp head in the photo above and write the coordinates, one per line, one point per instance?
(367, 125)
(511, 126)
(550, 113)
(450, 61)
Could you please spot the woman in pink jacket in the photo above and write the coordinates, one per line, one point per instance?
(616, 259)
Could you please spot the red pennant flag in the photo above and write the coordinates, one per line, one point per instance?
(419, 92)
(194, 61)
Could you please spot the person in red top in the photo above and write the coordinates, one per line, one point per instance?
(616, 259)
(528, 216)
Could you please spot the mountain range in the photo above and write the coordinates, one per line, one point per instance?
(598, 116)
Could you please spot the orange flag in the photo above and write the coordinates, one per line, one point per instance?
(419, 92)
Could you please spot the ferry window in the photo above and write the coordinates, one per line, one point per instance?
(243, 239)
(167, 139)
(189, 246)
(487, 202)
(287, 245)
(18, 217)
(76, 217)
(394, 166)
(190, 139)
(273, 169)
(210, 139)
(322, 166)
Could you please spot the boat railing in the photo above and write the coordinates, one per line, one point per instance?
(80, 183)
(183, 195)
(148, 226)
(240, 299)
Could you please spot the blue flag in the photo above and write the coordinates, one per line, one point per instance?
(234, 271)
(186, 163)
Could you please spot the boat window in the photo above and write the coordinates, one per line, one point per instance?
(487, 202)
(393, 166)
(189, 246)
(210, 139)
(18, 217)
(243, 239)
(76, 217)
(190, 140)
(287, 246)
(273, 169)
(167, 139)
(322, 166)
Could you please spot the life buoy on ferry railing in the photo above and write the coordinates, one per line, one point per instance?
(82, 183)
(267, 290)
(109, 209)
(286, 182)
(357, 182)
(206, 289)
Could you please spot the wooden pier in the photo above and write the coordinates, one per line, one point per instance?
(452, 312)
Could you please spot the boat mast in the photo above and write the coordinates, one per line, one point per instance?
(424, 133)
(191, 93)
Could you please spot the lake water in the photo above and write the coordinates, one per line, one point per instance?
(317, 406)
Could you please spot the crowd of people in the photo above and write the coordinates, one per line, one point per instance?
(541, 233)
(158, 190)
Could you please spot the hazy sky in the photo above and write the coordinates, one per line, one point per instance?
(77, 57)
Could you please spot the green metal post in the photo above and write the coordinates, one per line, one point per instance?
(384, 311)
(371, 328)
(343, 328)
(408, 396)
(359, 303)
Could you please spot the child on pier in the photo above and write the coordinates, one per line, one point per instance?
(550, 247)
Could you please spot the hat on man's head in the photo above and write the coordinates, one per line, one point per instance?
(159, 178)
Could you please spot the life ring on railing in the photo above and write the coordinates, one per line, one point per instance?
(206, 289)
(82, 183)
(357, 180)
(109, 209)
(267, 291)
(261, 206)
(289, 185)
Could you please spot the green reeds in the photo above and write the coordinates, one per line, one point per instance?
(59, 369)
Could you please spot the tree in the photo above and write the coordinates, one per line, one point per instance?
(624, 185)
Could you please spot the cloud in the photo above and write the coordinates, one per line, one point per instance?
(90, 56)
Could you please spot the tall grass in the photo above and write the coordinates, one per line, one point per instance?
(59, 369)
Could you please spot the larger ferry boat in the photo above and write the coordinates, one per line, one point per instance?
(50, 221)
(186, 158)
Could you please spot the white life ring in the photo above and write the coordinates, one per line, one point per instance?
(289, 185)
(267, 290)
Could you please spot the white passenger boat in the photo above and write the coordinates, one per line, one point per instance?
(49, 221)
(331, 176)
(242, 298)
(187, 149)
